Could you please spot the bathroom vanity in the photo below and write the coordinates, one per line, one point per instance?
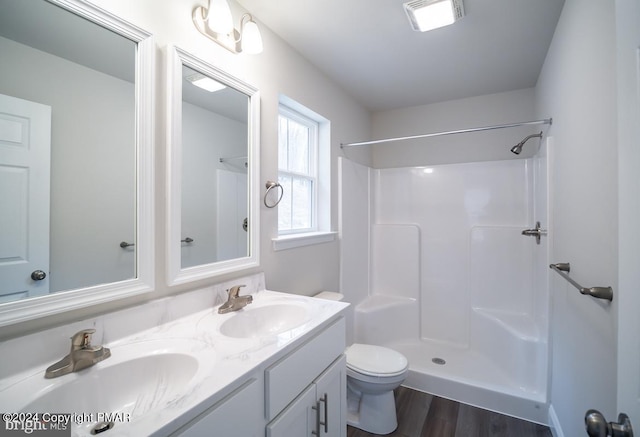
(274, 368)
(302, 392)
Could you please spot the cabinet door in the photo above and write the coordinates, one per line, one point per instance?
(331, 391)
(298, 419)
(238, 414)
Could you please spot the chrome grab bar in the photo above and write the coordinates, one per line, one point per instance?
(597, 292)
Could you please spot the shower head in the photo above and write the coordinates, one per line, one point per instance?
(518, 147)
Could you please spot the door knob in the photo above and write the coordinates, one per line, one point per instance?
(38, 275)
(597, 425)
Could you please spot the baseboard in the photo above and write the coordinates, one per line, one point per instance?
(554, 423)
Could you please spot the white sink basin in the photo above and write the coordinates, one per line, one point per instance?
(135, 386)
(138, 378)
(264, 320)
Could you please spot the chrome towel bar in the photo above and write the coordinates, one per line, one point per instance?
(597, 292)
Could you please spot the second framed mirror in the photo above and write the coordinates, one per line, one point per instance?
(212, 164)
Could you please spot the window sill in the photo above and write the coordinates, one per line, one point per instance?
(285, 242)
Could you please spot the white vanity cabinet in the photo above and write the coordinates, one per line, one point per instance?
(305, 392)
(240, 413)
(319, 410)
(300, 394)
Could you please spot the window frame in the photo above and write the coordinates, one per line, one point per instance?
(314, 171)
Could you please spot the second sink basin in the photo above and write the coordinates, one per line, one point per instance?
(264, 321)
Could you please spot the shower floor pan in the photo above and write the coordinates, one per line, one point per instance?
(469, 377)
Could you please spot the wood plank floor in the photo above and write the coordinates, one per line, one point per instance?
(424, 415)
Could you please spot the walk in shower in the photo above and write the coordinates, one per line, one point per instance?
(437, 267)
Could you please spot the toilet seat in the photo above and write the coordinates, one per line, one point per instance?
(374, 360)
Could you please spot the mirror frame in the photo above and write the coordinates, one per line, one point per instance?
(63, 301)
(176, 58)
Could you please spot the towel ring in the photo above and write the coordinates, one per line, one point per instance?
(270, 185)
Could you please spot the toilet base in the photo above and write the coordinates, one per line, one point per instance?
(374, 413)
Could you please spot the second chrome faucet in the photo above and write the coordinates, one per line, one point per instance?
(235, 301)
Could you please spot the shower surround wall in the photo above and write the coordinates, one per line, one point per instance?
(450, 276)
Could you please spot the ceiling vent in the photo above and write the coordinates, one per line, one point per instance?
(430, 14)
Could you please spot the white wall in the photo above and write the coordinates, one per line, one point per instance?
(577, 86)
(489, 110)
(92, 206)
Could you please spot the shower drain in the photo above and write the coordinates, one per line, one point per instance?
(439, 361)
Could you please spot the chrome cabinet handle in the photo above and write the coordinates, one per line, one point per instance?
(317, 408)
(325, 399)
(320, 423)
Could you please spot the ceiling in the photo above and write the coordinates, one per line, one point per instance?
(369, 48)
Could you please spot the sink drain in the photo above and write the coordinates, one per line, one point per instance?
(101, 427)
(438, 361)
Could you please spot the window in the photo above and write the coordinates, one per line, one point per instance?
(297, 172)
(304, 171)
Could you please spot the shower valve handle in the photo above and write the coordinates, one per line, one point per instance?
(537, 232)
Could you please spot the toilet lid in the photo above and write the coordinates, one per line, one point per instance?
(375, 360)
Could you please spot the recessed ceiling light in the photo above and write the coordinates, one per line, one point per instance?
(204, 82)
(430, 14)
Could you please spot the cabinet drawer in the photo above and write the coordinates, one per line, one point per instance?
(292, 374)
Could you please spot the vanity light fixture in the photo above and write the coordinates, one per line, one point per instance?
(430, 14)
(216, 23)
(204, 82)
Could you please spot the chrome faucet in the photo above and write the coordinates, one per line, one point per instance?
(235, 302)
(81, 356)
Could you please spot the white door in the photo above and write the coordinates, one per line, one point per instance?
(628, 34)
(25, 137)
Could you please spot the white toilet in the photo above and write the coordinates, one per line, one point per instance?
(373, 372)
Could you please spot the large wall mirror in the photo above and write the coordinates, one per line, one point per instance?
(212, 168)
(76, 165)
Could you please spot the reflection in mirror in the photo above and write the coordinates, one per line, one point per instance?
(214, 170)
(74, 119)
(213, 144)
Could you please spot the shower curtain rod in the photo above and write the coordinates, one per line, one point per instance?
(437, 134)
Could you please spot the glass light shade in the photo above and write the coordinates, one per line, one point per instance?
(219, 17)
(251, 38)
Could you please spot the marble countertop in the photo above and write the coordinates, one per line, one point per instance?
(223, 362)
